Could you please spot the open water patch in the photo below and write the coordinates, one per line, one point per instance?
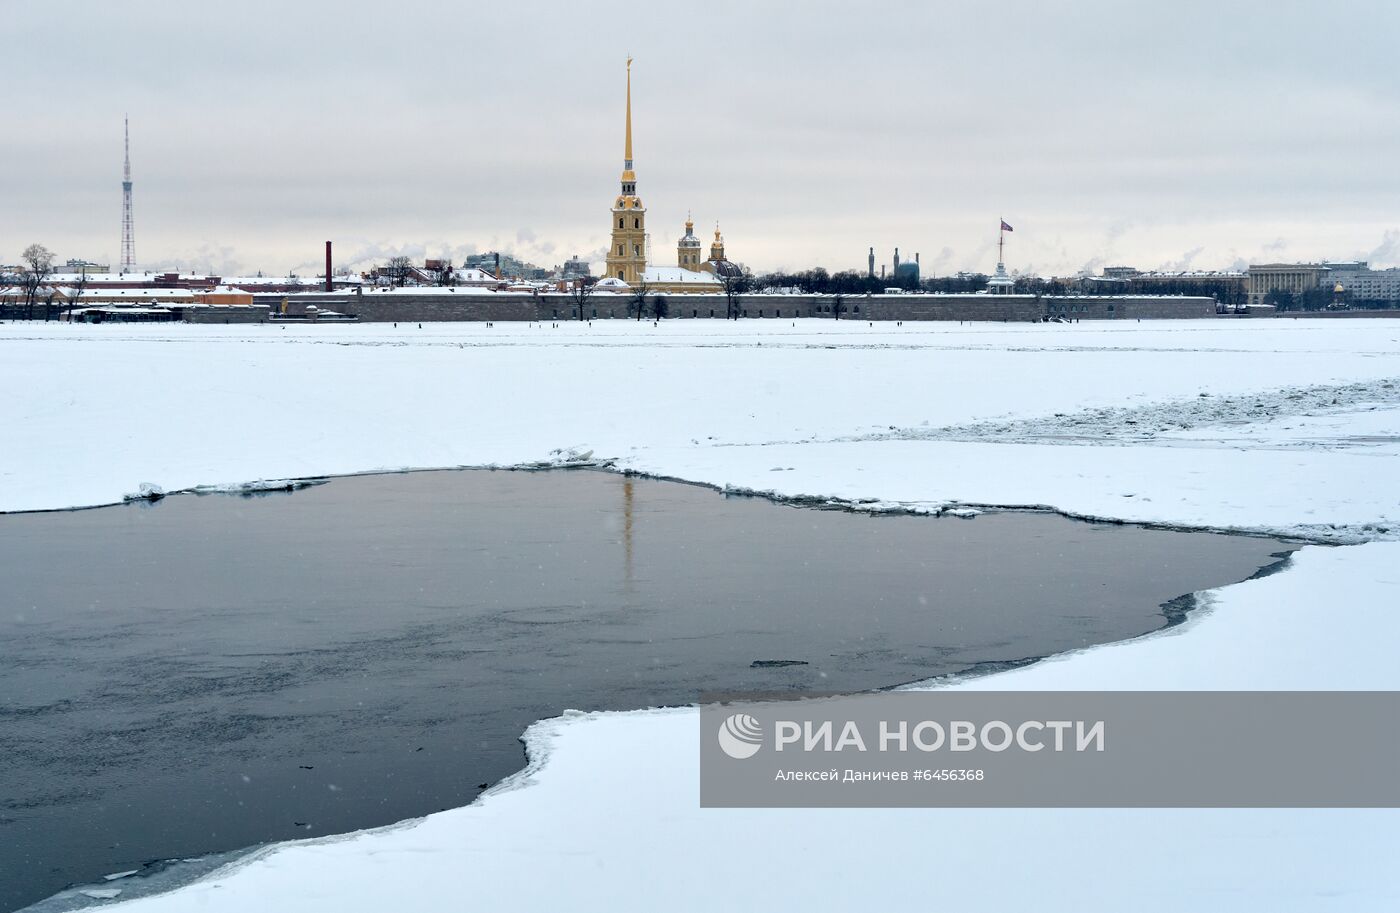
(192, 676)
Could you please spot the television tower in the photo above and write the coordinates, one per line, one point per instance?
(128, 241)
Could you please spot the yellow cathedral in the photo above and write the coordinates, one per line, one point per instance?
(627, 257)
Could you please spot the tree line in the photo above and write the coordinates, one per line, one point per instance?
(1318, 299)
(24, 294)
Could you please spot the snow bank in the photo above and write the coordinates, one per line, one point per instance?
(258, 486)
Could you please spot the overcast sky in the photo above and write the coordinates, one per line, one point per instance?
(1175, 134)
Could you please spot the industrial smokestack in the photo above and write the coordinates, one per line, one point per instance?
(329, 286)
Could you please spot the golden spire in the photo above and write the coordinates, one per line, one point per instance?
(627, 173)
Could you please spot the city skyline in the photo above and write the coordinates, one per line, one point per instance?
(418, 136)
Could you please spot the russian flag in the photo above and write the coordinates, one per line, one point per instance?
(1005, 227)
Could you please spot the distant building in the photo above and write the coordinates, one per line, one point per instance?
(629, 242)
(688, 254)
(225, 295)
(574, 268)
(93, 282)
(719, 265)
(1292, 278)
(905, 270)
(1316, 284)
(1361, 284)
(1226, 284)
(471, 277)
(86, 267)
(509, 266)
(486, 262)
(1001, 282)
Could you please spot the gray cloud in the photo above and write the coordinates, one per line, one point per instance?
(1102, 131)
(1387, 253)
(1184, 262)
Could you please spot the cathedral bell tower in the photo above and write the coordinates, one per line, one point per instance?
(627, 256)
(688, 248)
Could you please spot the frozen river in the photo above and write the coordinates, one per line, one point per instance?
(208, 673)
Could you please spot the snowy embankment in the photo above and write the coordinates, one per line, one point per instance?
(1286, 426)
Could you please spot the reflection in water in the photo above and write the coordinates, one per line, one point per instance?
(627, 530)
(211, 673)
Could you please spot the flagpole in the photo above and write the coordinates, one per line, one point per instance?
(1001, 239)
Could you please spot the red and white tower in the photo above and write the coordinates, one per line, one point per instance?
(128, 231)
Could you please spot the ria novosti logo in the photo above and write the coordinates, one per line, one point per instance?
(740, 735)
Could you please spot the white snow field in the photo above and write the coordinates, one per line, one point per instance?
(1277, 425)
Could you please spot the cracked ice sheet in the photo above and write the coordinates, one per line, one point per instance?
(180, 406)
(1335, 496)
(1372, 428)
(607, 818)
(1205, 418)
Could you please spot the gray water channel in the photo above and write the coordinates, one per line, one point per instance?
(208, 673)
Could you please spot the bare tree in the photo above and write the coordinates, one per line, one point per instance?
(659, 307)
(51, 294)
(398, 270)
(580, 292)
(40, 266)
(446, 273)
(737, 281)
(838, 306)
(75, 294)
(733, 287)
(639, 298)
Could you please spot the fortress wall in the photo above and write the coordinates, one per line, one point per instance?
(1130, 307)
(424, 308)
(1022, 308)
(481, 306)
(225, 314)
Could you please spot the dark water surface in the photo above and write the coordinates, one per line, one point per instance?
(208, 673)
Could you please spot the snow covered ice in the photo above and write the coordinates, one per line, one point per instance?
(1284, 426)
(915, 416)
